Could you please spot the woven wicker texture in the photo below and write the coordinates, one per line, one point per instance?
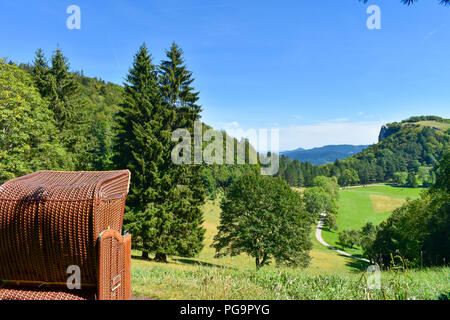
(27, 293)
(51, 220)
(114, 266)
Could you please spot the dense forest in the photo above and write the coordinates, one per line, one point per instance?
(96, 108)
(77, 113)
(406, 153)
(52, 118)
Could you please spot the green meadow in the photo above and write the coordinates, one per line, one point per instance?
(357, 206)
(329, 275)
(435, 124)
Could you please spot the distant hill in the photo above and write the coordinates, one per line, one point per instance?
(439, 124)
(410, 148)
(323, 155)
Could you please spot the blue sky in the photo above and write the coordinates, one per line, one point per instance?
(310, 68)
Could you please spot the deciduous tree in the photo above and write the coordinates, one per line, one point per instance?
(28, 135)
(263, 217)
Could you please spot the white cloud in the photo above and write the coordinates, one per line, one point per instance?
(230, 125)
(339, 120)
(430, 34)
(326, 133)
(337, 131)
(366, 116)
(314, 135)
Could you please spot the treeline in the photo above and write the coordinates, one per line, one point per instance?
(299, 174)
(405, 157)
(81, 110)
(426, 118)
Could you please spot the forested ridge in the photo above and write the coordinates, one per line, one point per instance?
(54, 118)
(405, 148)
(94, 106)
(406, 154)
(101, 102)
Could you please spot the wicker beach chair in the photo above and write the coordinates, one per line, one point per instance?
(54, 225)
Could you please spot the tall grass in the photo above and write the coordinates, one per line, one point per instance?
(163, 282)
(330, 277)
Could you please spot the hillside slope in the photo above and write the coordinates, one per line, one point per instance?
(406, 147)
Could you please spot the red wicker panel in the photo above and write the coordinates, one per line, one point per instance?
(127, 241)
(26, 293)
(112, 266)
(50, 220)
(109, 215)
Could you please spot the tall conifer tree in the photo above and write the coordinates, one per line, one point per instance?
(143, 146)
(179, 95)
(40, 73)
(64, 91)
(59, 87)
(164, 203)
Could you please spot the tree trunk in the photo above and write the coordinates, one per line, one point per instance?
(145, 255)
(161, 257)
(257, 264)
(264, 260)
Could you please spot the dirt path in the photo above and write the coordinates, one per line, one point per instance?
(320, 239)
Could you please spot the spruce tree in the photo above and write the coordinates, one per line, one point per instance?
(176, 87)
(62, 92)
(143, 146)
(40, 73)
(179, 95)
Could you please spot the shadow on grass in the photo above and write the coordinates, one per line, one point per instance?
(357, 265)
(199, 263)
(136, 257)
(405, 187)
(444, 296)
(184, 261)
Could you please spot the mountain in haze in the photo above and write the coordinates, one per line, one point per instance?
(323, 155)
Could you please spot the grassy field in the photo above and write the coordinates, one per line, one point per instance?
(358, 206)
(435, 124)
(165, 281)
(329, 276)
(323, 260)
